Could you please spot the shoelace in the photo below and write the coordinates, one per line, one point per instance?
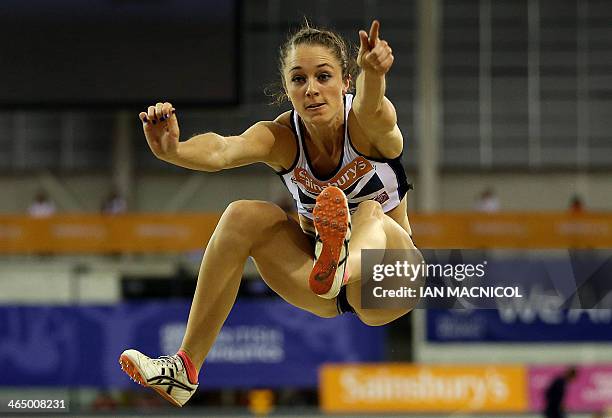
(172, 361)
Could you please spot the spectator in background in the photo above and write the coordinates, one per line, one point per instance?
(488, 201)
(42, 206)
(556, 392)
(114, 204)
(576, 204)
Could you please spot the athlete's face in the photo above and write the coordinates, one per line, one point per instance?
(314, 83)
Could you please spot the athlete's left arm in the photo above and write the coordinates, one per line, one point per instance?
(373, 111)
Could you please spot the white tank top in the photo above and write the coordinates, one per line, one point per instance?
(360, 177)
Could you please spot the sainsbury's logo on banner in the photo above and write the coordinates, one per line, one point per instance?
(412, 388)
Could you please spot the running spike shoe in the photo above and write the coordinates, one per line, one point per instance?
(166, 375)
(332, 222)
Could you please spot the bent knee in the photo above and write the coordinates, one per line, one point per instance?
(247, 211)
(241, 208)
(369, 209)
(250, 217)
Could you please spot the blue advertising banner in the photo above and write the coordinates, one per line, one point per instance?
(264, 343)
(536, 323)
(564, 296)
(543, 280)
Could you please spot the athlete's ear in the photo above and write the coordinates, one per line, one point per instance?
(346, 84)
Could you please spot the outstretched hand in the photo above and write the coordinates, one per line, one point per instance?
(161, 129)
(375, 55)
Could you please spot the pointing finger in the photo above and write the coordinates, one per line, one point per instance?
(373, 38)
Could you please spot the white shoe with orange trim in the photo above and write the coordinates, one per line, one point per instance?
(166, 375)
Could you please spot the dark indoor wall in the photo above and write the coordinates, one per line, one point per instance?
(118, 52)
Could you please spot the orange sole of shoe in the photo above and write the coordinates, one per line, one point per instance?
(331, 220)
(134, 373)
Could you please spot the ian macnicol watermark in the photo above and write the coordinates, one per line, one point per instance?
(458, 272)
(403, 278)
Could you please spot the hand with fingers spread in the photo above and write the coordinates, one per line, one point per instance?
(161, 129)
(375, 55)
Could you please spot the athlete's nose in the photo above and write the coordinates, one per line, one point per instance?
(311, 89)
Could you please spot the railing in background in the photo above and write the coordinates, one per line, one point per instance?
(64, 234)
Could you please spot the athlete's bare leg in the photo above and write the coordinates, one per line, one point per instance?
(372, 229)
(367, 232)
(282, 253)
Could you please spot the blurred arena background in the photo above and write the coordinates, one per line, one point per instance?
(506, 111)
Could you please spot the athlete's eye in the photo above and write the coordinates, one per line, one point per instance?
(297, 79)
(324, 77)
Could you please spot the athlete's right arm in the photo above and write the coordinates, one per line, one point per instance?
(209, 151)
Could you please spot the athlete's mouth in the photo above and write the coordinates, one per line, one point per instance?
(314, 105)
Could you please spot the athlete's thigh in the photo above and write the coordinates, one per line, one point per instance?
(284, 259)
(397, 239)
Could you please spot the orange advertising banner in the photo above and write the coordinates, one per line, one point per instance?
(165, 232)
(405, 388)
(106, 234)
(513, 230)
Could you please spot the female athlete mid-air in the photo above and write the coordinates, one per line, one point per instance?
(339, 156)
